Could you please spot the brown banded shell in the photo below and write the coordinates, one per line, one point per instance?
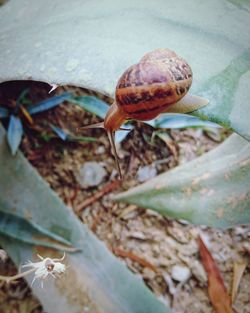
(147, 88)
(159, 54)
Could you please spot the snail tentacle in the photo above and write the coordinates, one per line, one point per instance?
(97, 125)
(111, 136)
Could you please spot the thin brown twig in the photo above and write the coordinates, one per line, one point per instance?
(133, 257)
(99, 194)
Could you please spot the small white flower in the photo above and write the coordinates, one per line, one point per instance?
(46, 267)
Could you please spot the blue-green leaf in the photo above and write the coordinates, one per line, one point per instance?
(15, 133)
(49, 103)
(60, 133)
(23, 229)
(92, 104)
(228, 95)
(173, 120)
(120, 135)
(4, 113)
(211, 190)
(67, 137)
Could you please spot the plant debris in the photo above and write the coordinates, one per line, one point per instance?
(216, 288)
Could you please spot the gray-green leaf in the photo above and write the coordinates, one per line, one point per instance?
(24, 230)
(15, 133)
(92, 104)
(212, 190)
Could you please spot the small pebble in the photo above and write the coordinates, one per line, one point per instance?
(180, 273)
(138, 235)
(100, 150)
(91, 174)
(146, 172)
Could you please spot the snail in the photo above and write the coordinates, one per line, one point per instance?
(158, 83)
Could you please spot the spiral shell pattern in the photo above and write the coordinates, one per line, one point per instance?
(146, 89)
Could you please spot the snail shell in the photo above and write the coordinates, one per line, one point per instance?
(146, 89)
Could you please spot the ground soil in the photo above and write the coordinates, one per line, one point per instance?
(158, 241)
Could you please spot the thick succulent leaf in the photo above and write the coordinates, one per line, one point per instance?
(91, 43)
(4, 113)
(15, 133)
(92, 104)
(228, 93)
(49, 103)
(25, 230)
(212, 190)
(95, 280)
(173, 120)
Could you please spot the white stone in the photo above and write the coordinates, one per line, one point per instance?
(145, 173)
(91, 174)
(180, 273)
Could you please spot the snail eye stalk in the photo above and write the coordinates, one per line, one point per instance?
(111, 136)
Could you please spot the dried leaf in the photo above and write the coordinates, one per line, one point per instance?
(239, 269)
(216, 289)
(26, 115)
(106, 189)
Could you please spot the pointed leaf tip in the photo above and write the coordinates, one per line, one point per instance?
(49, 103)
(14, 134)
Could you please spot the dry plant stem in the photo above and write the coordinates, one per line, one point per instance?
(133, 257)
(8, 279)
(107, 188)
(112, 142)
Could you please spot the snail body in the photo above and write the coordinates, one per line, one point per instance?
(149, 87)
(156, 84)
